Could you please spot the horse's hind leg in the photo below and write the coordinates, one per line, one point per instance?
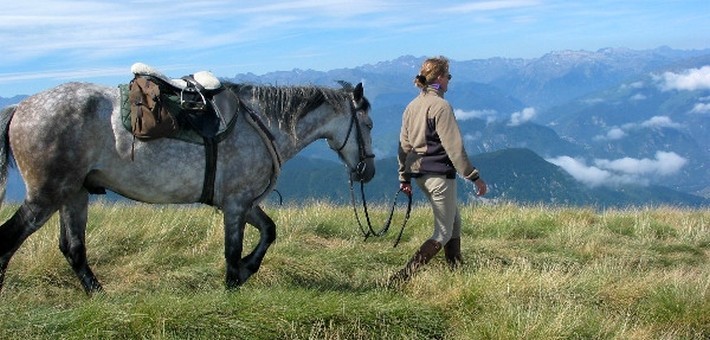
(72, 239)
(267, 234)
(26, 220)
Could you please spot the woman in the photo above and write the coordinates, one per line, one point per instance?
(431, 152)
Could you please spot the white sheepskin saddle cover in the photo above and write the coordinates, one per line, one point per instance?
(205, 78)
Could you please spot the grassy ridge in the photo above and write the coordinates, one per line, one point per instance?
(531, 272)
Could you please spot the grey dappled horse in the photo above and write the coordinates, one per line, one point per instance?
(70, 139)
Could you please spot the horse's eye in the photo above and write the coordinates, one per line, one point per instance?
(366, 120)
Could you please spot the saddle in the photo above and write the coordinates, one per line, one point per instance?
(204, 110)
(198, 102)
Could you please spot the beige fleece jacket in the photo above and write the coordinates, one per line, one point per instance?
(430, 141)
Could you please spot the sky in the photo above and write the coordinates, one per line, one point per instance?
(48, 42)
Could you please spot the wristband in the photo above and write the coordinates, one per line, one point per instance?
(474, 175)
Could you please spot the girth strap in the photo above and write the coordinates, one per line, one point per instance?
(207, 196)
(211, 148)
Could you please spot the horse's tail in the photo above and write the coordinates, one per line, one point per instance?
(5, 151)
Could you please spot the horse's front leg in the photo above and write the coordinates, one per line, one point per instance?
(267, 234)
(234, 221)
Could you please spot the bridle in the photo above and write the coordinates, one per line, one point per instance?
(362, 153)
(359, 170)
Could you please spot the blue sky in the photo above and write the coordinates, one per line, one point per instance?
(45, 43)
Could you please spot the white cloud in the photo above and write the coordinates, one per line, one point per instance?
(472, 137)
(592, 101)
(637, 97)
(488, 115)
(701, 108)
(690, 80)
(665, 163)
(634, 85)
(622, 171)
(616, 133)
(661, 122)
(82, 29)
(521, 117)
(589, 175)
(479, 6)
(613, 134)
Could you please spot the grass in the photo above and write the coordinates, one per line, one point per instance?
(531, 272)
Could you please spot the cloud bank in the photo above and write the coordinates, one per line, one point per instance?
(516, 118)
(701, 108)
(655, 122)
(661, 122)
(689, 80)
(486, 114)
(623, 171)
(521, 117)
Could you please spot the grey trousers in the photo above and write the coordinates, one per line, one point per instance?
(441, 193)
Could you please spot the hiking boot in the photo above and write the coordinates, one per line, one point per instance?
(452, 252)
(425, 253)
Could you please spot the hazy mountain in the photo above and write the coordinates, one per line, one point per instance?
(564, 75)
(640, 117)
(9, 101)
(576, 127)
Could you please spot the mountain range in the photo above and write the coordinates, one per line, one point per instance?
(611, 127)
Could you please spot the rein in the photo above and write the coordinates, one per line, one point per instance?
(370, 230)
(360, 169)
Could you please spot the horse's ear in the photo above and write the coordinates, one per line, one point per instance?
(346, 86)
(358, 93)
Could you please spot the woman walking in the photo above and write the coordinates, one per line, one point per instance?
(431, 152)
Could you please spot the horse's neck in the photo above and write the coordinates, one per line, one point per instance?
(313, 126)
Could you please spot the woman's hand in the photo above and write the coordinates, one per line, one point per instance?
(406, 188)
(481, 187)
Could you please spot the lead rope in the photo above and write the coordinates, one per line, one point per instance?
(388, 222)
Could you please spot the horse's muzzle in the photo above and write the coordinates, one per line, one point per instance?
(364, 171)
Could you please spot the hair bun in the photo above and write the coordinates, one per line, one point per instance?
(421, 79)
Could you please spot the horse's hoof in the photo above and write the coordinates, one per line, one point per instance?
(94, 289)
(233, 286)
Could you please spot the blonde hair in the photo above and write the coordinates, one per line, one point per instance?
(432, 69)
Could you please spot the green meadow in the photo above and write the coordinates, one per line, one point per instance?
(531, 272)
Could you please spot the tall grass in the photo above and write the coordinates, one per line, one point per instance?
(532, 272)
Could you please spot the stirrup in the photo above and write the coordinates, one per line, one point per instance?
(191, 104)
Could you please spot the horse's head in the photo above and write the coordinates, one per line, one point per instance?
(353, 142)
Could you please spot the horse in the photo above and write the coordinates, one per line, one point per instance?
(70, 140)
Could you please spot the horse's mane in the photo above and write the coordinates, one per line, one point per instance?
(285, 105)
